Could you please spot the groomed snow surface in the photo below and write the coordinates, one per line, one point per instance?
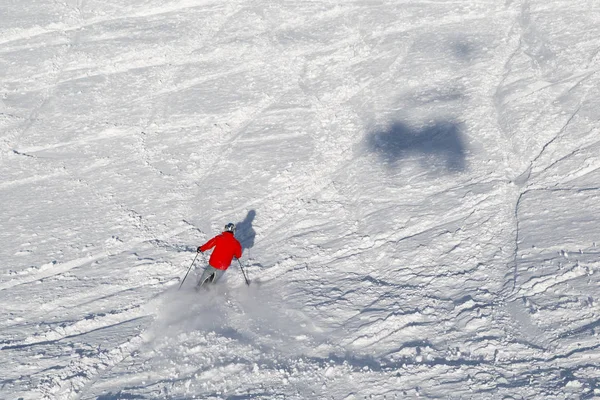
(416, 186)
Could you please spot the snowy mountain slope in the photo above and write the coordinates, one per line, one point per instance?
(415, 187)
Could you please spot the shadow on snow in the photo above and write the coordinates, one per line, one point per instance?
(439, 145)
(244, 232)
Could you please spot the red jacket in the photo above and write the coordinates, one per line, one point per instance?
(226, 247)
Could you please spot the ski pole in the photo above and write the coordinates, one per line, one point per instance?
(243, 272)
(188, 271)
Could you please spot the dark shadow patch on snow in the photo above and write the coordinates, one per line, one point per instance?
(437, 146)
(244, 232)
(464, 48)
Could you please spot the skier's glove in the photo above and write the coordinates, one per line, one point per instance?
(199, 251)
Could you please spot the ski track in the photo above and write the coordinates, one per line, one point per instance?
(60, 268)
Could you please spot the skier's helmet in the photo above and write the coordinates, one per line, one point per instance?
(229, 228)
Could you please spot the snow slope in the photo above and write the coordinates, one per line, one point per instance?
(415, 183)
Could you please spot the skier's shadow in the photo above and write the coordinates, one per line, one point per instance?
(244, 231)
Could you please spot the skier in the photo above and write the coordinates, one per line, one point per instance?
(226, 247)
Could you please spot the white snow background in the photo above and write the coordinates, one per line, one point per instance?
(416, 186)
